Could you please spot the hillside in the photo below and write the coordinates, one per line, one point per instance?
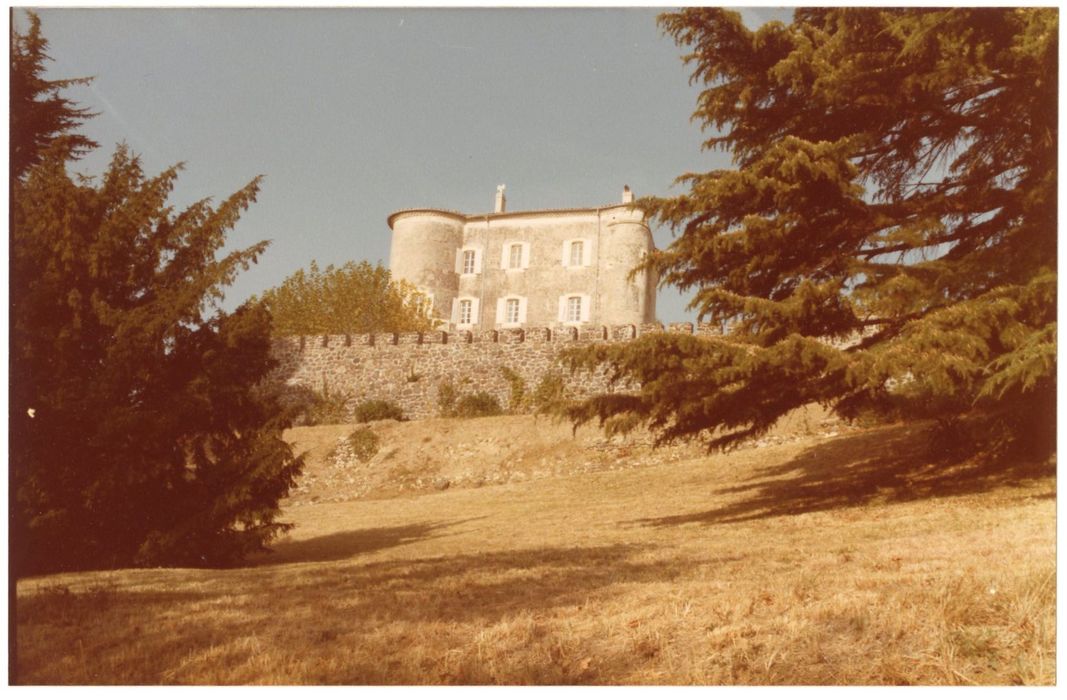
(427, 455)
(809, 559)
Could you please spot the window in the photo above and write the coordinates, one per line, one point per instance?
(511, 313)
(465, 312)
(469, 261)
(576, 253)
(515, 256)
(574, 309)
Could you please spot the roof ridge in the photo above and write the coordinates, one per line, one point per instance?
(475, 217)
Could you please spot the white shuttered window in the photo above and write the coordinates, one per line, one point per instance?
(468, 261)
(514, 255)
(577, 252)
(511, 311)
(574, 308)
(465, 311)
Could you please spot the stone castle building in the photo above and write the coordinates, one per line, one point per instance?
(520, 269)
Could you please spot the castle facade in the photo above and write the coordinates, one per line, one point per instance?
(543, 268)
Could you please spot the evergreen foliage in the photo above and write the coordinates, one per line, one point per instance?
(887, 240)
(353, 298)
(39, 114)
(137, 436)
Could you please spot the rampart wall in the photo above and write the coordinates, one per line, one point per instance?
(408, 368)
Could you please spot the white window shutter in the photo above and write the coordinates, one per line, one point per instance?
(525, 255)
(504, 256)
(563, 308)
(587, 252)
(566, 253)
(522, 309)
(459, 261)
(475, 303)
(500, 318)
(455, 311)
(585, 308)
(478, 260)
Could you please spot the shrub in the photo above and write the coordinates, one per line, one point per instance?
(364, 444)
(549, 394)
(477, 405)
(377, 409)
(446, 399)
(517, 401)
(325, 407)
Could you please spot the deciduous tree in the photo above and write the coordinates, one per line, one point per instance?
(887, 239)
(353, 298)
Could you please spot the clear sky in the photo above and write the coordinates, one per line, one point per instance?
(352, 114)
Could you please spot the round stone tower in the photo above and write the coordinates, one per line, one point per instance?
(625, 241)
(423, 252)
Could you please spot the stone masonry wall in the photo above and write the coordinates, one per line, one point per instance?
(408, 368)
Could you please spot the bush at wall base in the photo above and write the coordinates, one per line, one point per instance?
(377, 409)
(477, 405)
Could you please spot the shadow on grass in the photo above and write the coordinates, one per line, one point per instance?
(493, 585)
(887, 465)
(482, 586)
(344, 545)
(209, 620)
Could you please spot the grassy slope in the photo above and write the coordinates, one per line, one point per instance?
(825, 560)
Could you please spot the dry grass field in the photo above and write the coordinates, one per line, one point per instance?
(843, 559)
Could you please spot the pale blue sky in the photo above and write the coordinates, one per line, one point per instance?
(354, 113)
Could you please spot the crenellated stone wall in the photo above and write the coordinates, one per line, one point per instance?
(408, 368)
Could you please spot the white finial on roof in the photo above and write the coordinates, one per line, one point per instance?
(501, 201)
(627, 195)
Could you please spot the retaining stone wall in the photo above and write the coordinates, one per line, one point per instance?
(408, 368)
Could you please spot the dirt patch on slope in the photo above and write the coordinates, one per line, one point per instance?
(450, 453)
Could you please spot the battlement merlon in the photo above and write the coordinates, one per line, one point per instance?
(559, 334)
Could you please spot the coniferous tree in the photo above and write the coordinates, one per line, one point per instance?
(137, 433)
(39, 114)
(894, 194)
(353, 298)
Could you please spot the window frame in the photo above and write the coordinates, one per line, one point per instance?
(577, 246)
(510, 304)
(585, 247)
(514, 255)
(573, 310)
(520, 307)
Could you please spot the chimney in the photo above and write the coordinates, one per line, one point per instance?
(501, 201)
(627, 195)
